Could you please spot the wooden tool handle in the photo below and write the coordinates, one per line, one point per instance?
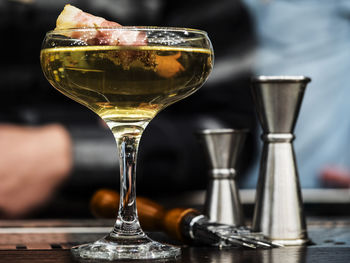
(172, 222)
(105, 202)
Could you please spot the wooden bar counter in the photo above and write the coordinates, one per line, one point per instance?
(50, 240)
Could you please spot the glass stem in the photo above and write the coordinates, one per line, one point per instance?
(127, 138)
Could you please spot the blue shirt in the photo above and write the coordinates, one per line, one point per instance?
(311, 38)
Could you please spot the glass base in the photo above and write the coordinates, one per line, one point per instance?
(112, 248)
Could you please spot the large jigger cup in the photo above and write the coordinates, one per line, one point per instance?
(278, 208)
(222, 148)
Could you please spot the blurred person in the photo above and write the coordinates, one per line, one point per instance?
(57, 167)
(310, 38)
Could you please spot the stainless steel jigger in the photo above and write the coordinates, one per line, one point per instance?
(278, 209)
(222, 147)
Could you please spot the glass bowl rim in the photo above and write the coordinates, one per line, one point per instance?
(135, 28)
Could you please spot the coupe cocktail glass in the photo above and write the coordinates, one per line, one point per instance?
(127, 83)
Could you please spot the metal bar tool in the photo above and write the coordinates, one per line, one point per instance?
(185, 224)
(222, 148)
(278, 208)
(223, 221)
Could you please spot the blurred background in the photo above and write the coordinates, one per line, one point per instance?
(54, 153)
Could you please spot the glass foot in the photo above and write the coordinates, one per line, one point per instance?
(112, 248)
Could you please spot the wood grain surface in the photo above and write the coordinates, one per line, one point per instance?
(331, 239)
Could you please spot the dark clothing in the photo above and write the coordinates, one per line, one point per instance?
(169, 158)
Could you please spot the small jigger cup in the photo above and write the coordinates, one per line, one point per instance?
(278, 208)
(222, 148)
